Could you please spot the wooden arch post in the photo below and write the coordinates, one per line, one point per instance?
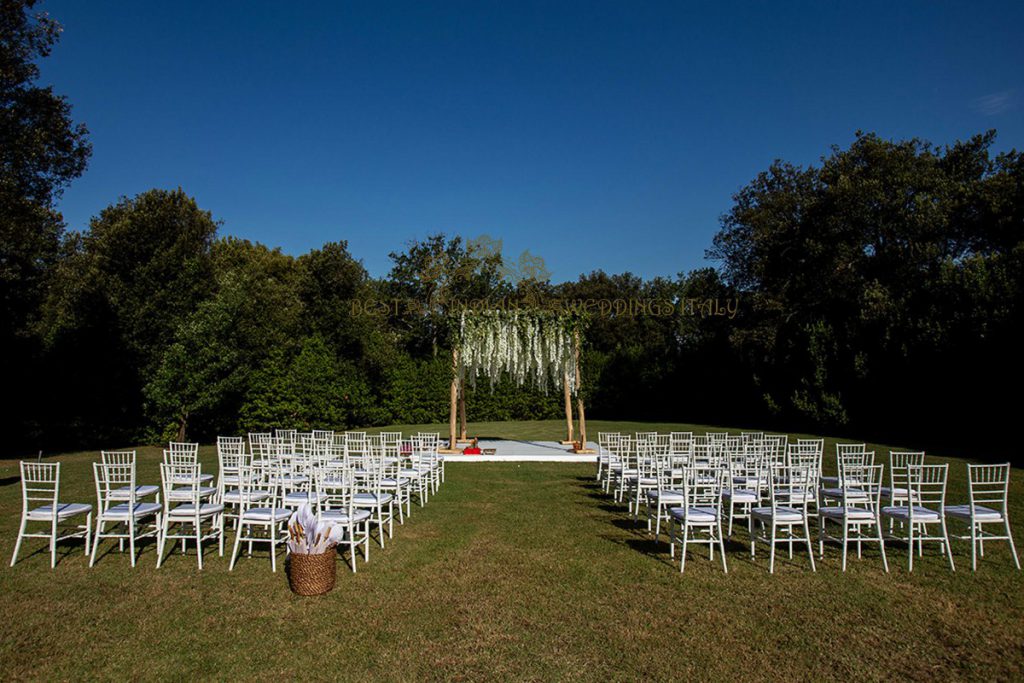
(453, 414)
(579, 399)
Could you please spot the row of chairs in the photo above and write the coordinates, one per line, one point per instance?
(354, 480)
(696, 484)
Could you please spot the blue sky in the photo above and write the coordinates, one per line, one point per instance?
(604, 135)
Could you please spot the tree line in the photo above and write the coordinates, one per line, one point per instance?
(877, 294)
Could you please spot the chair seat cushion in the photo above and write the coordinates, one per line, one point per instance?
(125, 511)
(186, 480)
(266, 515)
(838, 512)
(898, 492)
(230, 479)
(740, 495)
(372, 499)
(341, 516)
(921, 514)
(781, 514)
(410, 474)
(188, 510)
(830, 481)
(140, 492)
(185, 492)
(64, 510)
(667, 496)
(695, 515)
(642, 481)
(981, 513)
(851, 493)
(235, 496)
(391, 482)
(300, 497)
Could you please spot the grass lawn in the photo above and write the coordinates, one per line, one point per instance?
(514, 571)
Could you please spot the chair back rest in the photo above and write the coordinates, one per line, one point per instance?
(118, 457)
(793, 485)
(110, 476)
(899, 462)
(183, 447)
(989, 485)
(702, 486)
(183, 479)
(745, 465)
(681, 443)
(717, 437)
(40, 482)
(927, 486)
(180, 458)
(335, 484)
(860, 481)
(288, 436)
(250, 479)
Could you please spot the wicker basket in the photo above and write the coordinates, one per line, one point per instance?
(312, 574)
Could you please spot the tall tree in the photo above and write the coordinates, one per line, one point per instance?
(41, 151)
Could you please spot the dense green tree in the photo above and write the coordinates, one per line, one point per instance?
(254, 312)
(41, 151)
(868, 273)
(117, 299)
(432, 278)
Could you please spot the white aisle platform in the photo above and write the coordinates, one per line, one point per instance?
(508, 450)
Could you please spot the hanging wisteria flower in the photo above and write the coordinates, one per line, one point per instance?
(528, 346)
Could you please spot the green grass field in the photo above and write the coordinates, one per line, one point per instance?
(514, 571)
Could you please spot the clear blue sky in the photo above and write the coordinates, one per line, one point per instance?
(595, 134)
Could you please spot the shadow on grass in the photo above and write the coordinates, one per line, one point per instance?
(7, 481)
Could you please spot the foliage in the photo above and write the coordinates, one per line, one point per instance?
(41, 151)
(870, 272)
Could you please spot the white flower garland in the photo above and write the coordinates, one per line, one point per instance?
(537, 346)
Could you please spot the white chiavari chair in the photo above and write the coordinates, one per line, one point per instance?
(790, 488)
(127, 516)
(336, 485)
(699, 519)
(260, 519)
(40, 483)
(188, 510)
(988, 489)
(858, 509)
(926, 486)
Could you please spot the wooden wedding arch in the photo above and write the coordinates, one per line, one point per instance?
(534, 346)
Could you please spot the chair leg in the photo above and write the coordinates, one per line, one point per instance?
(881, 544)
(946, 546)
(161, 540)
(771, 552)
(234, 549)
(1013, 548)
(131, 536)
(682, 554)
(910, 546)
(96, 540)
(199, 542)
(846, 540)
(810, 548)
(88, 533)
(53, 541)
(273, 547)
(17, 544)
(721, 548)
(974, 546)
